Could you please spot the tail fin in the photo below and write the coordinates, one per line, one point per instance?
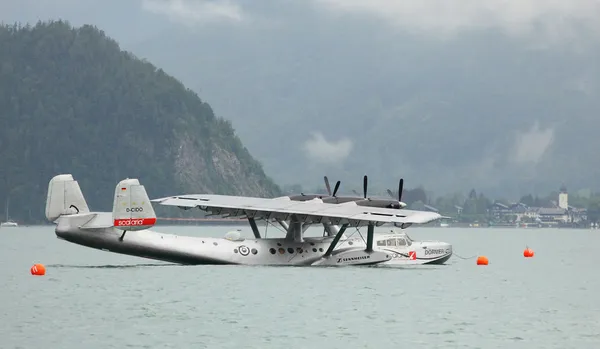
(64, 197)
(132, 209)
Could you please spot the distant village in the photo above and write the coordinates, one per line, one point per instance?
(520, 215)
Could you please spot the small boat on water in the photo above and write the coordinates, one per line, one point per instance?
(8, 223)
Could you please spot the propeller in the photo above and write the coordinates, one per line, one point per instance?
(400, 187)
(365, 186)
(335, 189)
(400, 190)
(327, 185)
(337, 186)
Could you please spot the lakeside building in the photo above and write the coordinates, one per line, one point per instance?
(560, 214)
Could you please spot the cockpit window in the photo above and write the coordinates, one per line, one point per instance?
(381, 243)
(401, 242)
(391, 242)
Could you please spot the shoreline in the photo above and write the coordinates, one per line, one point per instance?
(243, 222)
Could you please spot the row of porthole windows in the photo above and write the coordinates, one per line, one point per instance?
(282, 250)
(312, 244)
(291, 250)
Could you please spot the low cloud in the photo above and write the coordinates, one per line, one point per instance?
(193, 12)
(323, 151)
(545, 21)
(515, 17)
(531, 145)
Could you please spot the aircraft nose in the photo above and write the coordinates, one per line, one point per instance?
(447, 247)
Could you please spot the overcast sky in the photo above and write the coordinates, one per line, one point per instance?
(539, 19)
(264, 58)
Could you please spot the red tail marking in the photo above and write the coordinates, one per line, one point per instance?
(134, 222)
(123, 189)
(412, 255)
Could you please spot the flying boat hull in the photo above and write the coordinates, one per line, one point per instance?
(199, 250)
(126, 230)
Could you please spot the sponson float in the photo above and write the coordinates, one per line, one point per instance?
(126, 229)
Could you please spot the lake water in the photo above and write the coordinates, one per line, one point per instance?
(94, 299)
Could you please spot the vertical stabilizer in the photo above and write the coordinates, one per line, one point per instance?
(64, 197)
(132, 209)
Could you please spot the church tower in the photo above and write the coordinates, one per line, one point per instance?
(563, 198)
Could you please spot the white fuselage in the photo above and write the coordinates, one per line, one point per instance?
(271, 251)
(199, 250)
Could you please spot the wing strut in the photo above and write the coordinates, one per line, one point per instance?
(370, 236)
(284, 224)
(254, 227)
(337, 238)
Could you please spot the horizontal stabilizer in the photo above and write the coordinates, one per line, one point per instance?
(97, 220)
(132, 209)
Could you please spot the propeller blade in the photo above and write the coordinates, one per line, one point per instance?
(390, 193)
(355, 192)
(337, 186)
(327, 185)
(400, 186)
(365, 186)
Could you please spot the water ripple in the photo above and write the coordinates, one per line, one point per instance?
(102, 300)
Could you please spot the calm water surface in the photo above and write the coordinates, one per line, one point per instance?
(94, 299)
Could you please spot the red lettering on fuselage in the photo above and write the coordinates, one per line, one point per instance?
(134, 222)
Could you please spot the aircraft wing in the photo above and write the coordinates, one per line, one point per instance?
(311, 211)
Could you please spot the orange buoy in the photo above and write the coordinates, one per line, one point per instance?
(528, 253)
(38, 269)
(482, 260)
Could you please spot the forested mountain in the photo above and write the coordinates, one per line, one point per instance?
(71, 101)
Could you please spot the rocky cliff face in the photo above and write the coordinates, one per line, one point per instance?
(218, 170)
(73, 102)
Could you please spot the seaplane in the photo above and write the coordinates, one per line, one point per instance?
(127, 229)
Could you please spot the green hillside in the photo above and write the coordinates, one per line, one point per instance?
(72, 101)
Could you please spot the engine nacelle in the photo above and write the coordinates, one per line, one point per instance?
(307, 197)
(340, 199)
(382, 203)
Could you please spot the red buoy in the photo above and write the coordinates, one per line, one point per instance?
(528, 253)
(482, 260)
(38, 269)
